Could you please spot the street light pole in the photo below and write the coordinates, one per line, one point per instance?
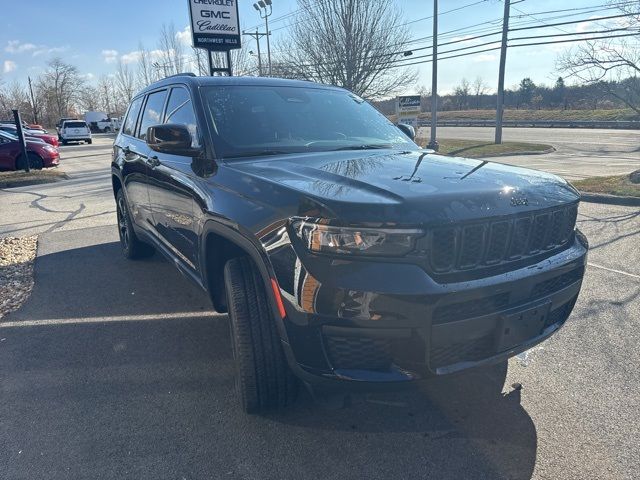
(265, 5)
(433, 143)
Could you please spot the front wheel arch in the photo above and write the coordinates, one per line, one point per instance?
(237, 245)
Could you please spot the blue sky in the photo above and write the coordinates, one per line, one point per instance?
(91, 35)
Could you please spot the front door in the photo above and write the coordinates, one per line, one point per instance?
(171, 186)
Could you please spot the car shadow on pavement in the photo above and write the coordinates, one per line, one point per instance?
(140, 397)
(97, 281)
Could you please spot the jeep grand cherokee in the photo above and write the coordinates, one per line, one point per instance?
(343, 253)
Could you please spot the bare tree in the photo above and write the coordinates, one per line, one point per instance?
(89, 98)
(480, 88)
(595, 61)
(350, 43)
(146, 74)
(61, 84)
(172, 59)
(107, 94)
(462, 94)
(125, 82)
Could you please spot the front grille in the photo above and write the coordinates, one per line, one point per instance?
(359, 353)
(480, 245)
(470, 308)
(557, 283)
(470, 351)
(560, 314)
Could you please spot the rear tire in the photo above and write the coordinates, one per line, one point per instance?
(263, 379)
(35, 162)
(64, 142)
(90, 141)
(132, 247)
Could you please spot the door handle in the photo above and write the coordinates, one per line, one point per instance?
(153, 161)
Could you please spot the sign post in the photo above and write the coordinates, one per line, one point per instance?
(215, 27)
(21, 139)
(408, 108)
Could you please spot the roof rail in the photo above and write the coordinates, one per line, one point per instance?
(182, 74)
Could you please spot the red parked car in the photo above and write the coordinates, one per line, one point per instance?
(37, 133)
(40, 153)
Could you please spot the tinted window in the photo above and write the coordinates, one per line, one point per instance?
(132, 115)
(248, 120)
(180, 111)
(75, 125)
(152, 112)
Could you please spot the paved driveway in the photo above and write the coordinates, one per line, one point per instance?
(117, 369)
(579, 152)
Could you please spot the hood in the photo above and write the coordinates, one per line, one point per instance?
(417, 187)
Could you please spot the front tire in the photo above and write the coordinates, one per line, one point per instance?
(90, 141)
(263, 379)
(35, 162)
(132, 247)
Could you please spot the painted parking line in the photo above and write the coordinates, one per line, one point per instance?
(118, 318)
(632, 275)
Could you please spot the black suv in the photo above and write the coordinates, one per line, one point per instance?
(343, 252)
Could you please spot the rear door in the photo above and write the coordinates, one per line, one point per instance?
(171, 185)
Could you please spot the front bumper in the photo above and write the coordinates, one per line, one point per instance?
(377, 322)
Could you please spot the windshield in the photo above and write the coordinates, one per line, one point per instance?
(8, 136)
(267, 120)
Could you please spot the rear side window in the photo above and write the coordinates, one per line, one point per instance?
(180, 111)
(152, 114)
(75, 125)
(129, 124)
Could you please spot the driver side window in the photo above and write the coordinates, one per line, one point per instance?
(180, 111)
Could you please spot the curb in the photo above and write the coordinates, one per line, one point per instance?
(610, 199)
(517, 154)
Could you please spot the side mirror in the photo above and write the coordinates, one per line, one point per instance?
(408, 130)
(171, 138)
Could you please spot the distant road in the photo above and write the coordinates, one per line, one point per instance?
(580, 152)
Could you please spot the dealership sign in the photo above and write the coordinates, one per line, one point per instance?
(215, 24)
(409, 104)
(408, 108)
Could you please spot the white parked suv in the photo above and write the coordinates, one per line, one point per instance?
(75, 131)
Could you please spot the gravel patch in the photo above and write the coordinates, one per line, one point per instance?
(17, 256)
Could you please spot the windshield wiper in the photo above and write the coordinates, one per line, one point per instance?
(371, 146)
(261, 153)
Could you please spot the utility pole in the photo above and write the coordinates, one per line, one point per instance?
(257, 36)
(33, 102)
(503, 60)
(433, 143)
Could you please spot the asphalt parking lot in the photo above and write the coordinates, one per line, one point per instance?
(116, 369)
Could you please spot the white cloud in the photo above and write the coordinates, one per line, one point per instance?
(15, 46)
(110, 56)
(131, 57)
(9, 66)
(44, 50)
(184, 35)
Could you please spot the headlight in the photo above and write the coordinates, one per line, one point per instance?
(319, 237)
(49, 148)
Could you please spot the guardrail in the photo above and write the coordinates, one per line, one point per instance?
(613, 124)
